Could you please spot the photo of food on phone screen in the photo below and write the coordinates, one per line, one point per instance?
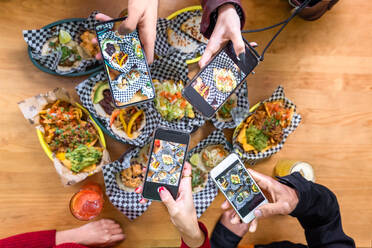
(218, 80)
(166, 162)
(239, 188)
(125, 64)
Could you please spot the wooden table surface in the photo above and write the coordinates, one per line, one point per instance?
(325, 67)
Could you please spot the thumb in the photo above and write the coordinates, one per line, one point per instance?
(129, 24)
(238, 43)
(268, 210)
(167, 199)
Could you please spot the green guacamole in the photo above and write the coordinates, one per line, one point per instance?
(82, 157)
(256, 138)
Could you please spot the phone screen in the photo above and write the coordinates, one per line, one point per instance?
(125, 64)
(239, 188)
(213, 85)
(165, 163)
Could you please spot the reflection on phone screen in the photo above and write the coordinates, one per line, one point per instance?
(239, 188)
(125, 64)
(166, 162)
(218, 80)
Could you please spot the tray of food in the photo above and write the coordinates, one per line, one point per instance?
(122, 177)
(264, 131)
(132, 125)
(180, 33)
(67, 134)
(64, 47)
(203, 158)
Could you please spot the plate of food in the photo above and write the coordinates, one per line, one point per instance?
(209, 157)
(64, 47)
(67, 134)
(265, 130)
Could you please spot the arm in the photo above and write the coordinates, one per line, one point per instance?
(209, 18)
(206, 243)
(318, 213)
(41, 239)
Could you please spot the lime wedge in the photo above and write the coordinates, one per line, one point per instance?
(195, 159)
(64, 37)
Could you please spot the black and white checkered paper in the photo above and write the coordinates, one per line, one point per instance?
(242, 104)
(253, 158)
(174, 68)
(163, 48)
(127, 202)
(84, 90)
(36, 39)
(204, 198)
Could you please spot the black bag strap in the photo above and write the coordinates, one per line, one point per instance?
(283, 24)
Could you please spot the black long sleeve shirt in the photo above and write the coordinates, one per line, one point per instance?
(317, 211)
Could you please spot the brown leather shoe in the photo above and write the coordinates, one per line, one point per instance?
(312, 13)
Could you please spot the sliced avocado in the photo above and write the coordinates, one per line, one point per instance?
(98, 94)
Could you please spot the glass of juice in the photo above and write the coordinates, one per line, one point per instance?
(284, 167)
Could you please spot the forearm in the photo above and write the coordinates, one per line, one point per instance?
(318, 213)
(41, 239)
(209, 18)
(198, 237)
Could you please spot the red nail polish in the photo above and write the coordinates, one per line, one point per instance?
(160, 189)
(136, 189)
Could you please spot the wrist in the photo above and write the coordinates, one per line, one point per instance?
(194, 237)
(224, 7)
(65, 237)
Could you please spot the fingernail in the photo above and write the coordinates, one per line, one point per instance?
(136, 190)
(258, 213)
(142, 201)
(160, 189)
(241, 57)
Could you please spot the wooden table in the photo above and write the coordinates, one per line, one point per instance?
(325, 67)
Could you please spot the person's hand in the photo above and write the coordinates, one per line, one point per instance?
(227, 28)
(142, 14)
(239, 229)
(283, 200)
(102, 233)
(182, 211)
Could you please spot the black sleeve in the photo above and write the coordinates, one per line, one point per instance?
(318, 213)
(223, 238)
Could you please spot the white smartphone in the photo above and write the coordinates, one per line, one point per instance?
(239, 188)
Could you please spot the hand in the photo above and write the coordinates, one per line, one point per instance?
(182, 211)
(239, 229)
(142, 14)
(283, 199)
(102, 233)
(227, 28)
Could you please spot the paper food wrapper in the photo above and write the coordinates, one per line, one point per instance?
(31, 108)
(251, 157)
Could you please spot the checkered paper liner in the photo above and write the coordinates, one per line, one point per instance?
(242, 103)
(174, 67)
(163, 48)
(84, 90)
(204, 198)
(253, 158)
(36, 38)
(126, 202)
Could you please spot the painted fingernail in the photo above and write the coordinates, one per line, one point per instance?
(160, 189)
(137, 190)
(258, 213)
(142, 201)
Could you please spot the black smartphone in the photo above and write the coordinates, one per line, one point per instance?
(125, 64)
(216, 81)
(167, 156)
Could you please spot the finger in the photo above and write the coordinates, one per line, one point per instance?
(139, 190)
(253, 44)
(187, 170)
(167, 199)
(94, 40)
(116, 231)
(107, 222)
(117, 237)
(98, 56)
(143, 201)
(253, 226)
(147, 34)
(235, 219)
(264, 182)
(130, 24)
(185, 188)
(225, 205)
(269, 209)
(102, 17)
(238, 43)
(213, 45)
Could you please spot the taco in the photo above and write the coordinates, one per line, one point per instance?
(71, 53)
(201, 88)
(180, 42)
(199, 179)
(212, 155)
(192, 27)
(265, 127)
(102, 99)
(112, 52)
(224, 113)
(224, 79)
(128, 122)
(86, 43)
(130, 178)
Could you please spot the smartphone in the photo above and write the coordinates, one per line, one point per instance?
(167, 156)
(216, 81)
(239, 188)
(125, 64)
